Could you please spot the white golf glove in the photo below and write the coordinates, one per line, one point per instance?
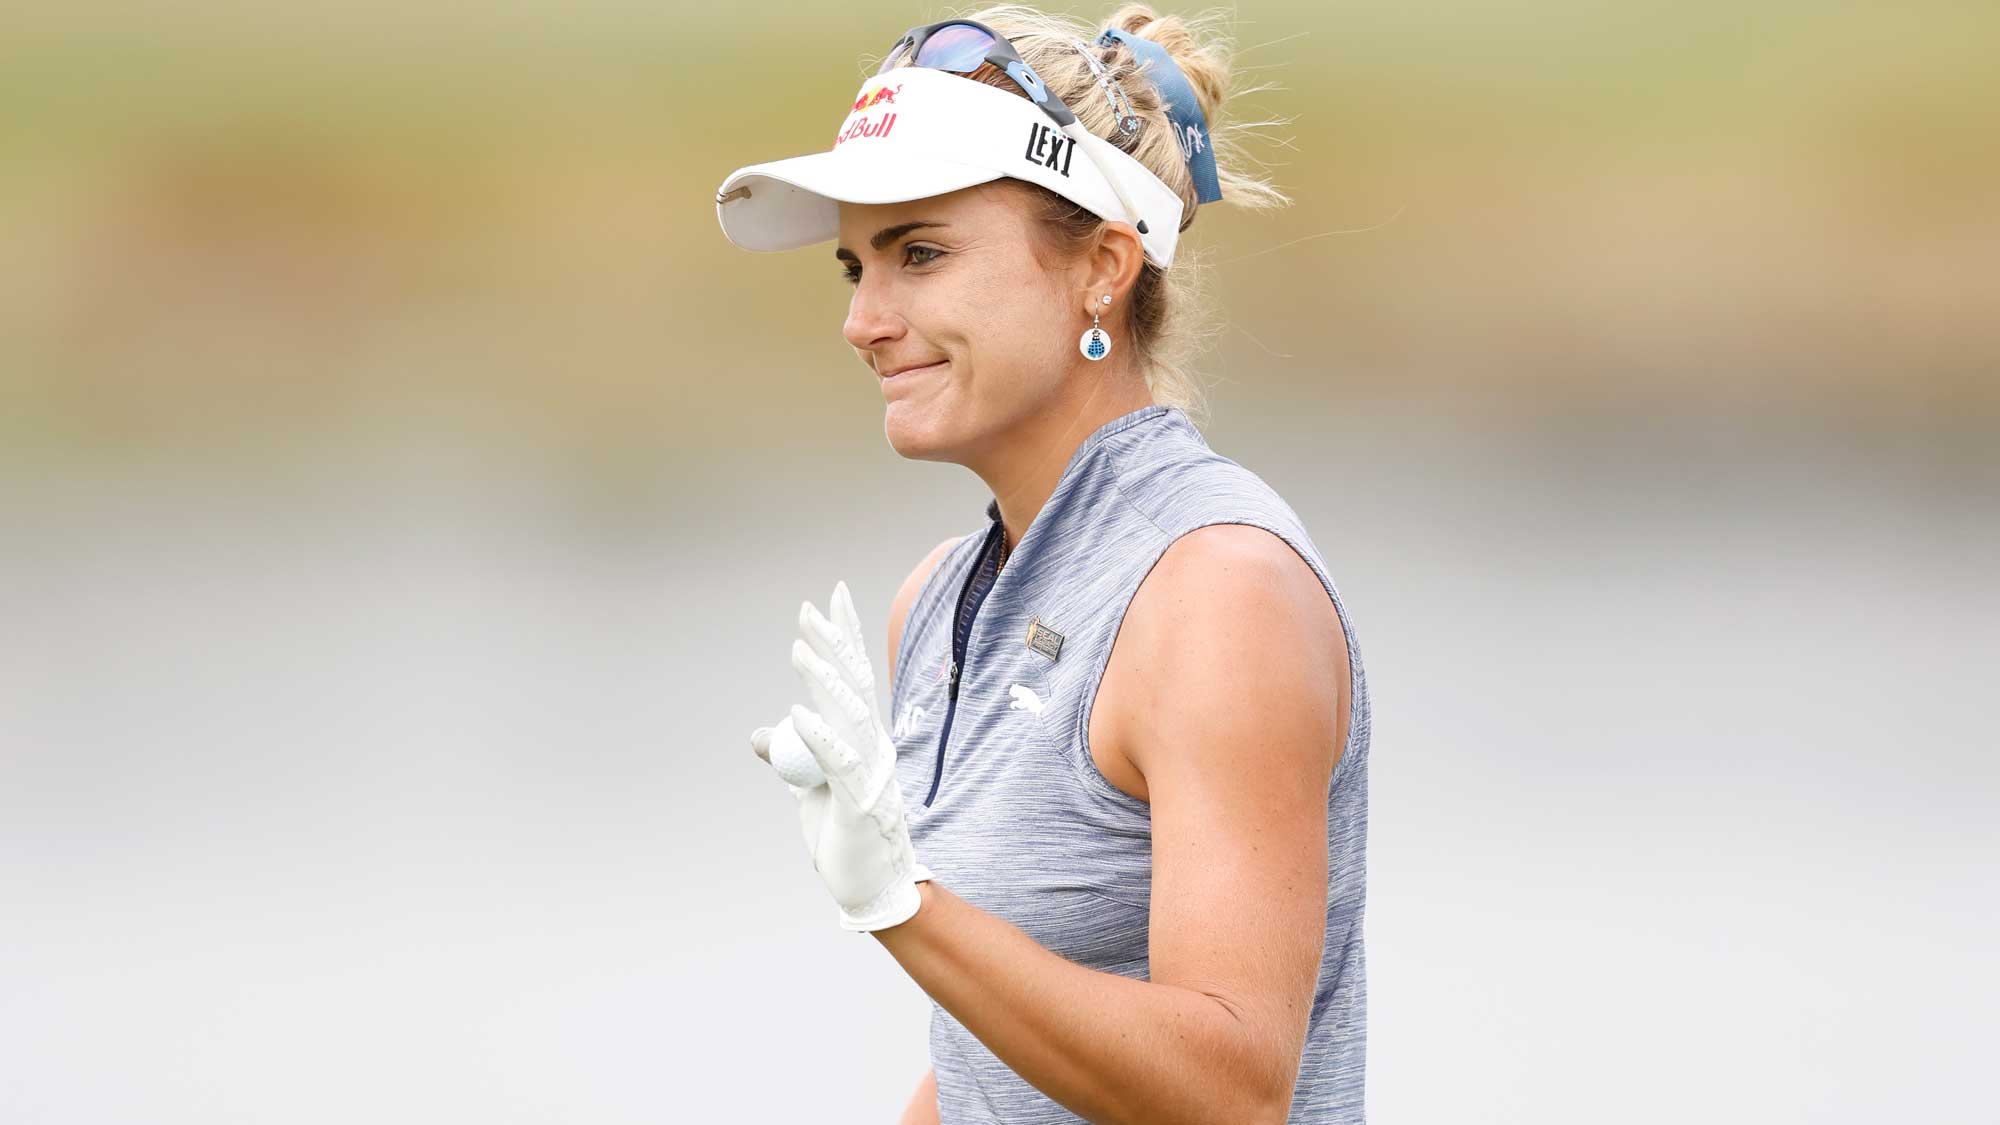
(853, 818)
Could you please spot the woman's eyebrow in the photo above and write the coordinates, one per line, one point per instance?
(887, 235)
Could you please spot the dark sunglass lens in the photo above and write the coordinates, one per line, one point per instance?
(960, 47)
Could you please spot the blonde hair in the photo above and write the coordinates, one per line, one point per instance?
(1167, 311)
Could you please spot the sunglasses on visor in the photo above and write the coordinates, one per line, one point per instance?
(963, 46)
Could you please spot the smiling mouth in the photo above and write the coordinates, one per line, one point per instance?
(916, 370)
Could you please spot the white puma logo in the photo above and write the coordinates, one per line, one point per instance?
(907, 722)
(1025, 699)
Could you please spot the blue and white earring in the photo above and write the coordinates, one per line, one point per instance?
(1096, 342)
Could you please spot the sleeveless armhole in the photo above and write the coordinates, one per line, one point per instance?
(904, 640)
(1080, 757)
(1100, 660)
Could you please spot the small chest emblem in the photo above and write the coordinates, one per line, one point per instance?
(1043, 639)
(1024, 699)
(907, 722)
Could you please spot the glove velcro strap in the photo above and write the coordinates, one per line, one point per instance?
(895, 905)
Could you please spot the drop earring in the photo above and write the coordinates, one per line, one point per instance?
(1096, 342)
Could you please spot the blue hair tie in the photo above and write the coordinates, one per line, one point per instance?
(1183, 108)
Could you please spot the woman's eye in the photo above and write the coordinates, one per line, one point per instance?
(852, 274)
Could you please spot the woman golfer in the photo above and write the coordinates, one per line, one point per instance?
(1114, 820)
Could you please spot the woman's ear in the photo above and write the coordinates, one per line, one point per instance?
(1112, 266)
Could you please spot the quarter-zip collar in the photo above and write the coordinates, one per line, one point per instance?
(1018, 554)
(986, 575)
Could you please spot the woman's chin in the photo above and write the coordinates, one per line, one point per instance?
(912, 431)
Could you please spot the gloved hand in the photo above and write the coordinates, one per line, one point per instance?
(853, 823)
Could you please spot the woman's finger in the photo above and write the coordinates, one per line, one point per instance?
(849, 622)
(831, 695)
(842, 766)
(835, 647)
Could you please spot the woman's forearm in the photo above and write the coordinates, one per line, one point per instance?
(1108, 1048)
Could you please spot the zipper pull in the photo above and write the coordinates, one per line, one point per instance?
(954, 679)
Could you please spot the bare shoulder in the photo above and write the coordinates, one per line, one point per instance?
(899, 609)
(1238, 559)
(1230, 619)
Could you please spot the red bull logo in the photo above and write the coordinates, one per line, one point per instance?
(860, 127)
(868, 101)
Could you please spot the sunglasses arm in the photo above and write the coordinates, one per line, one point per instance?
(1089, 141)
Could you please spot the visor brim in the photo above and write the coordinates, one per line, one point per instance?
(795, 202)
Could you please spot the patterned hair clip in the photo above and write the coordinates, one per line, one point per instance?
(1128, 122)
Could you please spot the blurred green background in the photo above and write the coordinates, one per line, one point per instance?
(265, 230)
(405, 492)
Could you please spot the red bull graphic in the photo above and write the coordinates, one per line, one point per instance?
(868, 101)
(859, 125)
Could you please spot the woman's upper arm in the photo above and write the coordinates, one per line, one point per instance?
(899, 609)
(923, 1107)
(1238, 725)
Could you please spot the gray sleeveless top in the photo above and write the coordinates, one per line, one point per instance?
(995, 676)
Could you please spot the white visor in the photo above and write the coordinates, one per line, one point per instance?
(916, 132)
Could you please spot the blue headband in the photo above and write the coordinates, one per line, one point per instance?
(1183, 110)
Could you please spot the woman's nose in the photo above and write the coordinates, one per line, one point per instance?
(870, 322)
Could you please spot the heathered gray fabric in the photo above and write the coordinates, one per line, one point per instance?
(1022, 824)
